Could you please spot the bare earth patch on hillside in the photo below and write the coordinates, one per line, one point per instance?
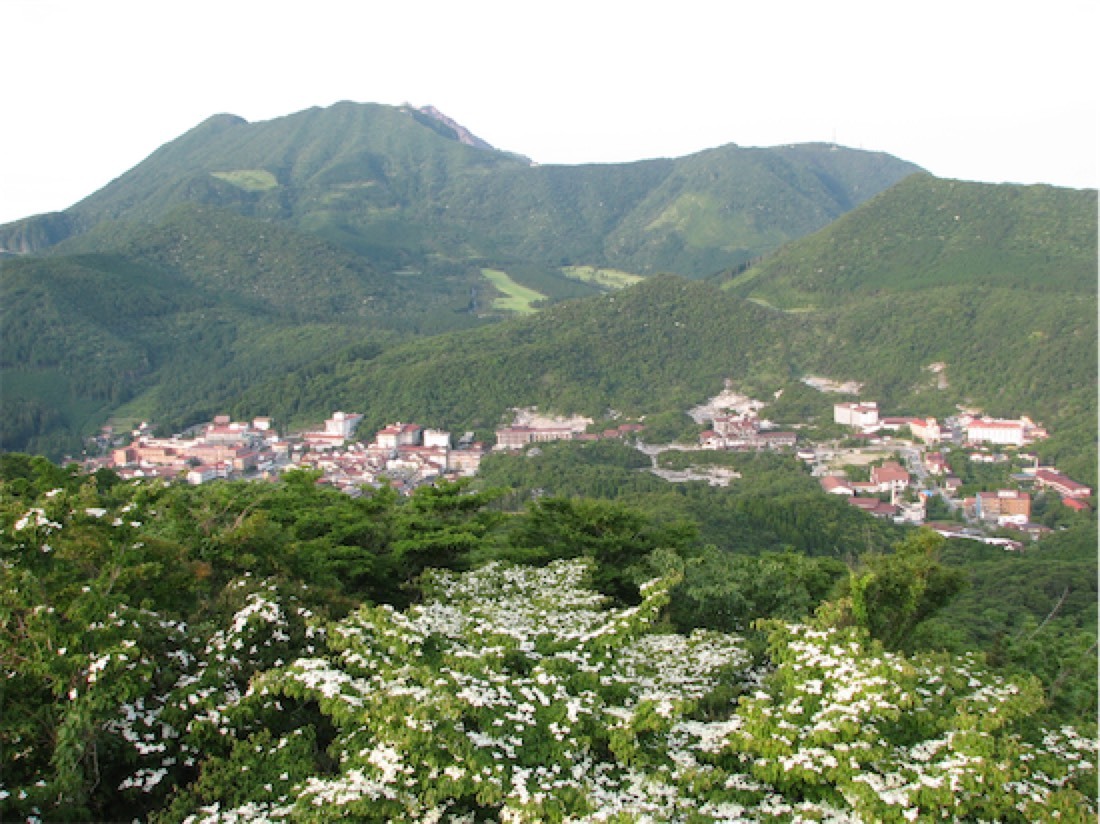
(725, 402)
(533, 418)
(829, 385)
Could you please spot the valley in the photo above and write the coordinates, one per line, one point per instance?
(756, 484)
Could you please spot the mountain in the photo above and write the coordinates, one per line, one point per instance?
(668, 343)
(404, 186)
(996, 284)
(242, 250)
(460, 132)
(289, 267)
(191, 310)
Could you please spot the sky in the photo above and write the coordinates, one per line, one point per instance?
(986, 91)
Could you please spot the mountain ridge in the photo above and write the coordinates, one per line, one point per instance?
(351, 167)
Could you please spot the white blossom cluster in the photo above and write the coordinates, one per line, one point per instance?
(916, 737)
(515, 694)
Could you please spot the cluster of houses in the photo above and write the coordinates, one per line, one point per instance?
(406, 455)
(744, 431)
(220, 449)
(889, 478)
(1010, 508)
(403, 454)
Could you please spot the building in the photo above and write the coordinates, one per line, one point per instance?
(836, 485)
(1076, 504)
(935, 463)
(736, 426)
(873, 506)
(890, 477)
(1004, 432)
(926, 429)
(467, 460)
(775, 440)
(207, 472)
(398, 435)
(342, 424)
(863, 415)
(1003, 506)
(1063, 485)
(437, 438)
(517, 437)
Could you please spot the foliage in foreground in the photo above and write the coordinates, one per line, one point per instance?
(513, 693)
(193, 654)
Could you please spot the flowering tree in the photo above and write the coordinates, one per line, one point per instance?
(513, 694)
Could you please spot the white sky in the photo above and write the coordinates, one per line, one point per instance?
(1000, 91)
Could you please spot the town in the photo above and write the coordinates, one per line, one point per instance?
(898, 468)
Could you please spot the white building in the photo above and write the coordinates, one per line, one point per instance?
(342, 424)
(437, 438)
(399, 434)
(987, 430)
(863, 415)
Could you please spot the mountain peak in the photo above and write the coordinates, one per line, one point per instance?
(461, 133)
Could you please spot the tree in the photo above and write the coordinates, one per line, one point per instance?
(617, 537)
(515, 693)
(890, 594)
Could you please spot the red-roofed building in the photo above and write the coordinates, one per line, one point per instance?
(1064, 486)
(835, 485)
(890, 477)
(399, 434)
(935, 463)
(873, 506)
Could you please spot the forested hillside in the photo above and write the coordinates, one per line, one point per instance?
(995, 284)
(243, 250)
(927, 234)
(662, 346)
(400, 188)
(184, 316)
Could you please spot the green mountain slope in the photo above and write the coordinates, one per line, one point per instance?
(400, 188)
(1006, 308)
(927, 233)
(184, 315)
(660, 345)
(997, 283)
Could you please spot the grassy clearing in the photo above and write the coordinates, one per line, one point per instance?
(794, 310)
(606, 278)
(251, 180)
(518, 298)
